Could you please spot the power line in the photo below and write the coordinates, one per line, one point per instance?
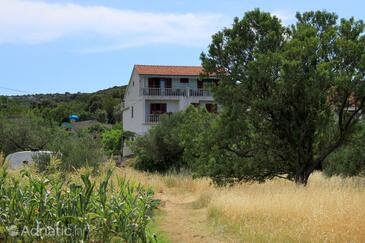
(15, 90)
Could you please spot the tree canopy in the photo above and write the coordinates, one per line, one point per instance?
(291, 96)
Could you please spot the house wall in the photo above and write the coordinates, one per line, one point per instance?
(141, 105)
(177, 85)
(133, 99)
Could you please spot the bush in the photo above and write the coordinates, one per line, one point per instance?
(26, 132)
(42, 161)
(350, 159)
(78, 150)
(174, 143)
(89, 211)
(112, 141)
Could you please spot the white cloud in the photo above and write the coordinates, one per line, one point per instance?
(33, 22)
(286, 17)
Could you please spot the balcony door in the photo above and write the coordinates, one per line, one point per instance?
(160, 83)
(158, 108)
(154, 83)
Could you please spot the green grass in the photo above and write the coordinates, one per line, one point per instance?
(161, 236)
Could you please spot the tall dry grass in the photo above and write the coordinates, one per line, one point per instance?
(327, 210)
(2, 158)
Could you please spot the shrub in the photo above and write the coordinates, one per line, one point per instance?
(90, 211)
(112, 141)
(174, 143)
(42, 161)
(350, 159)
(78, 150)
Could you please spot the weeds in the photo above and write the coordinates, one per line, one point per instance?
(87, 211)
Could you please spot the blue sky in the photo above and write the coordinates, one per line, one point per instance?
(87, 45)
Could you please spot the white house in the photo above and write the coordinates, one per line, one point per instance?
(154, 90)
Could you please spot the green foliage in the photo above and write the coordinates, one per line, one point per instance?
(350, 159)
(90, 211)
(285, 94)
(112, 141)
(97, 129)
(101, 116)
(174, 142)
(103, 105)
(77, 150)
(42, 161)
(26, 132)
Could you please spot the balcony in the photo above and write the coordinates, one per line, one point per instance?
(153, 118)
(175, 92)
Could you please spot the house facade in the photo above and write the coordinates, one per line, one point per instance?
(156, 90)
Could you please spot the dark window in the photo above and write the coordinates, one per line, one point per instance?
(133, 83)
(200, 84)
(211, 108)
(154, 83)
(168, 83)
(184, 80)
(157, 108)
(132, 112)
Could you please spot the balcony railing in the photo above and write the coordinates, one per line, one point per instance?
(200, 92)
(153, 118)
(175, 92)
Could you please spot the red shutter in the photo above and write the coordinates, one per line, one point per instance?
(200, 84)
(153, 83)
(168, 83)
(157, 108)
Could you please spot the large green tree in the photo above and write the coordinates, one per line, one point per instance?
(290, 96)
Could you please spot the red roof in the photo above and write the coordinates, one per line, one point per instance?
(168, 70)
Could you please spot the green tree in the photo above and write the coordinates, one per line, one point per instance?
(77, 150)
(175, 143)
(26, 132)
(112, 141)
(286, 94)
(95, 103)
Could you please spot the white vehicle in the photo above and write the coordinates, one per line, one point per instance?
(18, 159)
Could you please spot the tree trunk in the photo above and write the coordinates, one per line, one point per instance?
(303, 173)
(301, 178)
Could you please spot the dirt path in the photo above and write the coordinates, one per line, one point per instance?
(182, 222)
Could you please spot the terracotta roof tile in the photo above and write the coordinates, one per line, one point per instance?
(168, 70)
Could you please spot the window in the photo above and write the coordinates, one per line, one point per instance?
(211, 108)
(157, 82)
(153, 83)
(132, 112)
(184, 80)
(157, 108)
(200, 84)
(133, 83)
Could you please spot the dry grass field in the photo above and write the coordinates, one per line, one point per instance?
(327, 210)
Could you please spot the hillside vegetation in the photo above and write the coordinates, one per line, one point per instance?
(103, 105)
